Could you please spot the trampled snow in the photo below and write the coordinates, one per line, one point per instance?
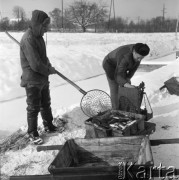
(79, 56)
(166, 113)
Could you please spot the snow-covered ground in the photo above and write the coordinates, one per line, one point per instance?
(79, 56)
(166, 114)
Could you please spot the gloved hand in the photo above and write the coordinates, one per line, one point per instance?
(128, 80)
(52, 70)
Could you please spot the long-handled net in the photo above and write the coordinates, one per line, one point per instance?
(93, 102)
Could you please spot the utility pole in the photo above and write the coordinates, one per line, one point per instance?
(176, 38)
(62, 14)
(114, 15)
(109, 15)
(138, 21)
(163, 12)
(163, 17)
(1, 15)
(176, 30)
(112, 4)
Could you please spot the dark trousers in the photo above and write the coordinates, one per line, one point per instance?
(38, 100)
(114, 87)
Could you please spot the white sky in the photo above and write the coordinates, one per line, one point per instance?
(132, 9)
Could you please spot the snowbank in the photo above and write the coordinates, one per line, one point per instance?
(79, 56)
(76, 55)
(155, 79)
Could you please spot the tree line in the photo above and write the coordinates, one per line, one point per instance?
(87, 16)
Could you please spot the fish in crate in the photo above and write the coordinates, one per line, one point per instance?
(114, 123)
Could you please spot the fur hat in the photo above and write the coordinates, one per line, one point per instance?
(39, 17)
(141, 49)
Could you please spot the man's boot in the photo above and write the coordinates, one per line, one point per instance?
(47, 120)
(32, 131)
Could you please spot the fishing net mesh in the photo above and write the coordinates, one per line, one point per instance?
(95, 102)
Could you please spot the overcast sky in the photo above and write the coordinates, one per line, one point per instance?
(132, 9)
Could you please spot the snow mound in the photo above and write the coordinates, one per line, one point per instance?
(155, 79)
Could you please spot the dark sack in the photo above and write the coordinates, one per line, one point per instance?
(172, 86)
(130, 100)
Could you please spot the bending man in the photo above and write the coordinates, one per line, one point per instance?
(120, 65)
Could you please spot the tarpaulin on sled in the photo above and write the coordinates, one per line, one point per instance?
(172, 85)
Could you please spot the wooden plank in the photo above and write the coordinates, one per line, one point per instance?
(50, 147)
(32, 177)
(121, 156)
(82, 171)
(111, 175)
(108, 156)
(148, 152)
(116, 161)
(112, 154)
(141, 156)
(156, 142)
(110, 140)
(93, 164)
(66, 177)
(153, 142)
(145, 153)
(102, 170)
(117, 147)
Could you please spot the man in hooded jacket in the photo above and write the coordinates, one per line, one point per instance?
(35, 71)
(120, 65)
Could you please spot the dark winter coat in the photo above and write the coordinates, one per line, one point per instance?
(119, 64)
(34, 62)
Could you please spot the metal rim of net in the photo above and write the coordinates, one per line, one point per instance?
(94, 102)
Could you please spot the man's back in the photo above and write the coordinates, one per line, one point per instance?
(116, 55)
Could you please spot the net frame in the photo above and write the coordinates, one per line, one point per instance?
(94, 102)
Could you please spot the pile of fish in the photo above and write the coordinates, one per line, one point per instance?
(113, 119)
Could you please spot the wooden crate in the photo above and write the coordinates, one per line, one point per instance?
(99, 158)
(133, 128)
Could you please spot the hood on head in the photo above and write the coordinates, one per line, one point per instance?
(39, 18)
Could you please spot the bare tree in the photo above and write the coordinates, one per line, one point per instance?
(4, 24)
(19, 13)
(56, 16)
(176, 29)
(84, 14)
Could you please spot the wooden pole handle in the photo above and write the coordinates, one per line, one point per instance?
(46, 148)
